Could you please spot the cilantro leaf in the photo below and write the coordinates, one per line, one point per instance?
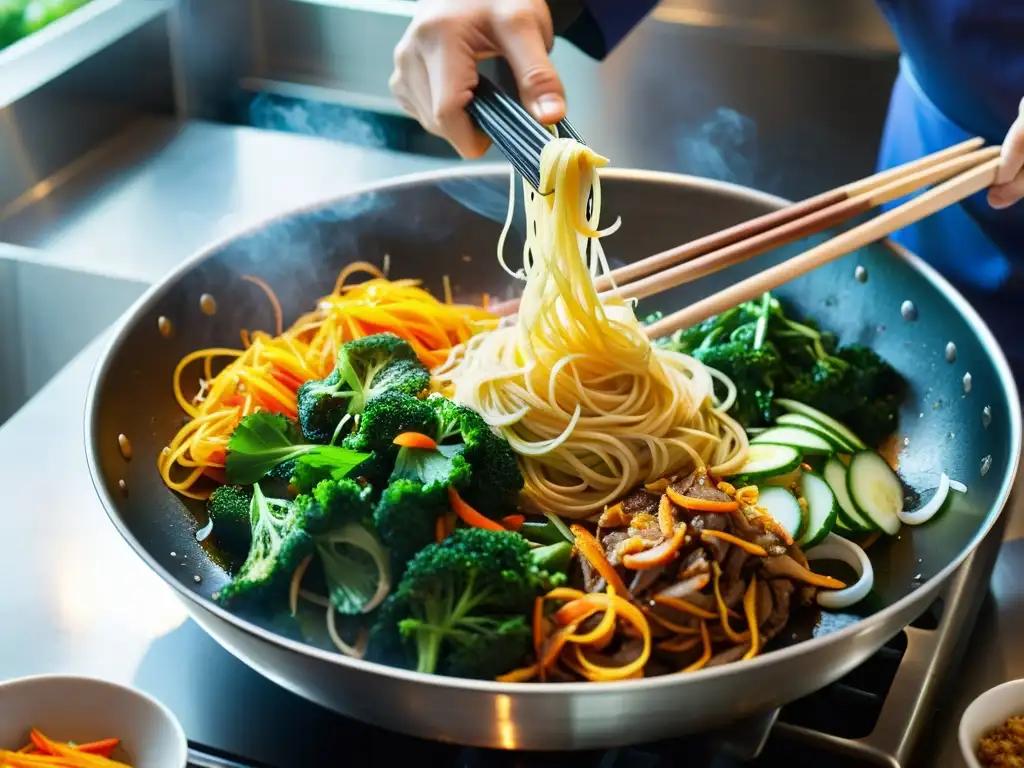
(263, 441)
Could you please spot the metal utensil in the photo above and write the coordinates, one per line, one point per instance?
(881, 296)
(513, 130)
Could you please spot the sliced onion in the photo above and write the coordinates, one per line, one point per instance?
(204, 533)
(956, 485)
(927, 512)
(837, 548)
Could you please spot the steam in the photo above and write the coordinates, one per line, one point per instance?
(312, 118)
(722, 147)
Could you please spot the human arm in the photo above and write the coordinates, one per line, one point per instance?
(1009, 186)
(436, 60)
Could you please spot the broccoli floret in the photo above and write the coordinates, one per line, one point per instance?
(496, 480)
(335, 503)
(355, 566)
(228, 508)
(388, 415)
(279, 544)
(406, 515)
(754, 371)
(459, 600)
(364, 368)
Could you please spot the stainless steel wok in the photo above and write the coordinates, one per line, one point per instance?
(961, 417)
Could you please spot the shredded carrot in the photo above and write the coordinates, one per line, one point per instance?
(746, 546)
(513, 522)
(666, 520)
(46, 752)
(522, 675)
(470, 516)
(267, 371)
(671, 626)
(658, 486)
(705, 637)
(723, 609)
(591, 549)
(701, 505)
(594, 603)
(440, 529)
(750, 609)
(747, 495)
(631, 614)
(680, 644)
(538, 624)
(664, 553)
(683, 606)
(630, 546)
(274, 303)
(103, 747)
(415, 440)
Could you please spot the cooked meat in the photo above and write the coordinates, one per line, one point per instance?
(688, 589)
(641, 501)
(709, 521)
(753, 530)
(783, 566)
(728, 656)
(694, 564)
(647, 528)
(765, 603)
(698, 486)
(592, 581)
(628, 651)
(643, 580)
(781, 590)
(611, 544)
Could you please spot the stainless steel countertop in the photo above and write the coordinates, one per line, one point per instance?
(83, 601)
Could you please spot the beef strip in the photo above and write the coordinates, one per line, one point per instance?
(643, 580)
(694, 564)
(753, 530)
(782, 590)
(698, 486)
(688, 589)
(728, 656)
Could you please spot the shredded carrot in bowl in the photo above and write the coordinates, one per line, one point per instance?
(43, 752)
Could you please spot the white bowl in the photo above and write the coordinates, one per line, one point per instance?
(990, 710)
(82, 709)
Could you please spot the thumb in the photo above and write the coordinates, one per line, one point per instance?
(540, 87)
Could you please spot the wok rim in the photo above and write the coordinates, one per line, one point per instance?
(133, 315)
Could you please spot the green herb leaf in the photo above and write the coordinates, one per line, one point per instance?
(263, 441)
(427, 466)
(356, 569)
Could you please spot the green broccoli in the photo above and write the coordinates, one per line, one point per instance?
(364, 368)
(335, 503)
(228, 508)
(355, 566)
(416, 495)
(388, 415)
(495, 481)
(460, 606)
(279, 544)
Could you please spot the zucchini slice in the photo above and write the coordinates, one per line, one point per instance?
(822, 509)
(824, 419)
(875, 490)
(795, 437)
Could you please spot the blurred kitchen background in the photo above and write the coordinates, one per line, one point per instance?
(134, 132)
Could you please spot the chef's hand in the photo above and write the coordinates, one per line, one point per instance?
(436, 63)
(1009, 185)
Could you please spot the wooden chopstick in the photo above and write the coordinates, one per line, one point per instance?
(749, 229)
(948, 193)
(873, 197)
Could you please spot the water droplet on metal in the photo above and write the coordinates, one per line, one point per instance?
(986, 416)
(937, 404)
(952, 435)
(174, 554)
(986, 465)
(917, 576)
(197, 579)
(967, 383)
(164, 326)
(906, 441)
(123, 486)
(908, 310)
(880, 329)
(125, 446)
(920, 415)
(950, 352)
(208, 304)
(861, 274)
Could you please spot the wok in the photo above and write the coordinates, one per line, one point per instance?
(447, 223)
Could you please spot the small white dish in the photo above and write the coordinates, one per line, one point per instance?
(990, 710)
(82, 709)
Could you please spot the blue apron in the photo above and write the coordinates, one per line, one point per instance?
(968, 57)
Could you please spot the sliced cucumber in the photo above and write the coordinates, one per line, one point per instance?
(824, 419)
(769, 461)
(875, 490)
(783, 507)
(822, 509)
(835, 475)
(801, 439)
(806, 422)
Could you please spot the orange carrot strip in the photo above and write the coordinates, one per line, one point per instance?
(631, 614)
(538, 624)
(679, 644)
(723, 610)
(701, 505)
(666, 520)
(522, 675)
(705, 636)
(659, 555)
(591, 549)
(103, 747)
(607, 624)
(753, 549)
(440, 529)
(513, 522)
(470, 516)
(683, 606)
(415, 440)
(750, 609)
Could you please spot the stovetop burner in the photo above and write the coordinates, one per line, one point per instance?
(872, 716)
